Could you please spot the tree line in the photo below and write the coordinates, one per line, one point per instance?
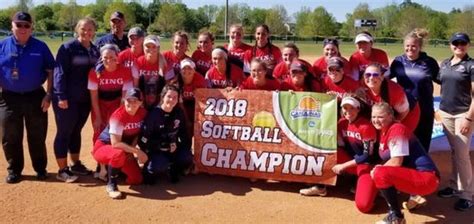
(166, 16)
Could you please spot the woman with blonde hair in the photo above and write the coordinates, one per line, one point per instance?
(71, 100)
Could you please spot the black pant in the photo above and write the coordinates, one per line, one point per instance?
(425, 126)
(19, 110)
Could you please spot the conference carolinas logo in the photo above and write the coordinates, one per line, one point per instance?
(308, 107)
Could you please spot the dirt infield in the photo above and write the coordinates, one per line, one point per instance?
(200, 198)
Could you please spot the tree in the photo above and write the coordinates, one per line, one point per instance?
(387, 19)
(209, 11)
(463, 22)
(322, 22)
(195, 21)
(438, 25)
(303, 22)
(411, 17)
(141, 15)
(362, 11)
(69, 15)
(276, 18)
(24, 5)
(43, 15)
(171, 18)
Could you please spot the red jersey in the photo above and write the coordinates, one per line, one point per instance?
(287, 84)
(127, 58)
(238, 51)
(397, 97)
(173, 62)
(270, 84)
(123, 124)
(188, 90)
(320, 67)
(358, 63)
(269, 54)
(202, 60)
(219, 81)
(355, 134)
(346, 85)
(282, 72)
(143, 68)
(110, 84)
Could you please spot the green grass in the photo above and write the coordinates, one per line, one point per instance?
(308, 50)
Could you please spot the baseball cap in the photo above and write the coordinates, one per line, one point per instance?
(297, 65)
(187, 62)
(22, 17)
(335, 62)
(134, 93)
(117, 15)
(363, 37)
(351, 101)
(137, 31)
(460, 37)
(153, 39)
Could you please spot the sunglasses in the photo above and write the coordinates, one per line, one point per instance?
(23, 25)
(374, 75)
(334, 69)
(459, 43)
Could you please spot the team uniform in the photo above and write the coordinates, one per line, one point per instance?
(320, 67)
(270, 84)
(161, 130)
(123, 124)
(239, 51)
(203, 61)
(358, 63)
(358, 138)
(173, 62)
(346, 85)
(111, 38)
(127, 58)
(417, 175)
(282, 71)
(219, 81)
(270, 54)
(151, 79)
(288, 84)
(398, 100)
(189, 101)
(110, 87)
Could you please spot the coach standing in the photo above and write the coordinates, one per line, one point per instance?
(117, 35)
(26, 63)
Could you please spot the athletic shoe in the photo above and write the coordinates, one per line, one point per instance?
(12, 178)
(414, 202)
(66, 175)
(314, 191)
(112, 191)
(42, 175)
(79, 169)
(101, 176)
(448, 193)
(463, 204)
(391, 218)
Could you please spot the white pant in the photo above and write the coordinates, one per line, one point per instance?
(461, 176)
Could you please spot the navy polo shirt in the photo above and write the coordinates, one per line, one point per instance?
(74, 62)
(31, 61)
(456, 85)
(112, 39)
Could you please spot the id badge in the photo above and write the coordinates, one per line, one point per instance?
(15, 74)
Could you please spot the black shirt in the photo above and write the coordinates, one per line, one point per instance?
(456, 91)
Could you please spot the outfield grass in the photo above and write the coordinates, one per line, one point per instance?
(308, 50)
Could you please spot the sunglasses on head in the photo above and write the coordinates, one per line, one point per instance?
(23, 25)
(459, 43)
(374, 75)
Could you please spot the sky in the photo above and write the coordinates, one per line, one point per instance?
(338, 8)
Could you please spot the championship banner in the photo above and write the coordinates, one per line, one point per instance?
(266, 135)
